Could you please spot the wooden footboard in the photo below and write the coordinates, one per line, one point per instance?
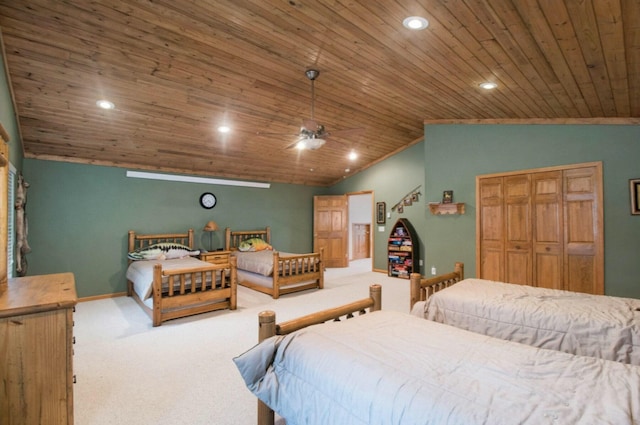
(268, 328)
(423, 288)
(184, 292)
(295, 272)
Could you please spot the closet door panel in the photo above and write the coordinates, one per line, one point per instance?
(548, 230)
(490, 229)
(517, 199)
(584, 244)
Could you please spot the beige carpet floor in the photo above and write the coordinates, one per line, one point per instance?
(182, 372)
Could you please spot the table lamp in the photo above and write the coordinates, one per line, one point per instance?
(210, 227)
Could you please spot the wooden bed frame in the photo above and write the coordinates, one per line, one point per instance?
(188, 299)
(422, 288)
(289, 270)
(267, 327)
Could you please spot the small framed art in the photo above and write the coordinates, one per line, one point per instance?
(634, 193)
(447, 196)
(381, 212)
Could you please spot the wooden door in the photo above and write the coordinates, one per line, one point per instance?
(360, 245)
(548, 234)
(490, 228)
(517, 233)
(331, 229)
(583, 234)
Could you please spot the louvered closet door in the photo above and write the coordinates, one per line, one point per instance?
(548, 229)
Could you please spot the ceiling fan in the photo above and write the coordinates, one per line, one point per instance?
(313, 135)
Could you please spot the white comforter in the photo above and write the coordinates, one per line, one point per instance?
(391, 368)
(141, 272)
(591, 325)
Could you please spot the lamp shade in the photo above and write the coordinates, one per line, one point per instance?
(211, 226)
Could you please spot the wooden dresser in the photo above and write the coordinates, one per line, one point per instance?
(36, 349)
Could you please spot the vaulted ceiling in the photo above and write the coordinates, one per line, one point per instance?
(178, 69)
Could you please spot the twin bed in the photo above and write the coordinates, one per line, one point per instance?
(577, 323)
(387, 367)
(270, 271)
(179, 287)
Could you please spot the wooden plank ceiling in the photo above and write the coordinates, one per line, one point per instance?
(177, 69)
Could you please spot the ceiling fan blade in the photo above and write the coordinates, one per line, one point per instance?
(262, 133)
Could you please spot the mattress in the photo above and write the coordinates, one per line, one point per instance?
(392, 368)
(590, 325)
(141, 272)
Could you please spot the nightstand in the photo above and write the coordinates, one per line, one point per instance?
(215, 257)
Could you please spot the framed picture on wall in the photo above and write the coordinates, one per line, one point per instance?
(447, 196)
(634, 192)
(381, 212)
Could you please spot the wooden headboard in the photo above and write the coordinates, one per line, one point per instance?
(140, 241)
(232, 239)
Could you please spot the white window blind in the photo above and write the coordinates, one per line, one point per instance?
(11, 213)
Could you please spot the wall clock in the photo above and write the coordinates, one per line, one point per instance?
(208, 200)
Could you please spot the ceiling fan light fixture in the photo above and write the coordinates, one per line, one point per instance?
(310, 143)
(415, 23)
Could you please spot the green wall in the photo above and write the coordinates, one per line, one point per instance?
(452, 155)
(482, 149)
(391, 180)
(79, 216)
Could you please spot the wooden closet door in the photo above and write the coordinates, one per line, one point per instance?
(584, 240)
(548, 229)
(490, 228)
(518, 247)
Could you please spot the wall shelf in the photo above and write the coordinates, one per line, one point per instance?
(442, 209)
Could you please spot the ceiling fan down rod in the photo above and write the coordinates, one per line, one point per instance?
(312, 74)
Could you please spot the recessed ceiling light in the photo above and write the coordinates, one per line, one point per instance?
(415, 23)
(224, 129)
(488, 86)
(105, 104)
(353, 155)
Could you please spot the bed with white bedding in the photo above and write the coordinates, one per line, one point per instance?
(583, 324)
(388, 368)
(270, 271)
(179, 287)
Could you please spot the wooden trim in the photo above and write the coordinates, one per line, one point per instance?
(102, 297)
(541, 121)
(3, 134)
(539, 170)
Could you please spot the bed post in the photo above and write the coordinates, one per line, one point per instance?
(266, 329)
(227, 238)
(459, 268)
(415, 289)
(375, 292)
(190, 233)
(268, 234)
(275, 294)
(131, 247)
(233, 282)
